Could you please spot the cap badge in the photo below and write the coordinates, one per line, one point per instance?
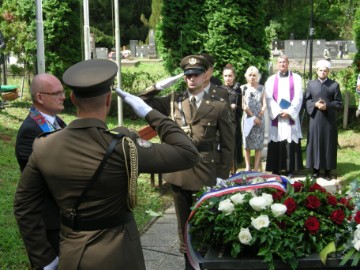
(192, 61)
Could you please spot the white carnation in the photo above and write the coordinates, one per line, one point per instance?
(258, 203)
(357, 233)
(260, 222)
(278, 209)
(245, 236)
(237, 198)
(226, 206)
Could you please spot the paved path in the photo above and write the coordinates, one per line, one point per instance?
(161, 245)
(160, 241)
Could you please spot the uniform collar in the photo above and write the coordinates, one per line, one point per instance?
(87, 123)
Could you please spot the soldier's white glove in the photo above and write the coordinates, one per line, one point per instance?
(163, 84)
(53, 265)
(220, 182)
(138, 105)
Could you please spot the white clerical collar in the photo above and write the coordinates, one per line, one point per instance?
(322, 81)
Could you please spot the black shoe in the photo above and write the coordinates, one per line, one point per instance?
(188, 265)
(315, 175)
(327, 175)
(275, 172)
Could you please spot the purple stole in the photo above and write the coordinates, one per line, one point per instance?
(275, 95)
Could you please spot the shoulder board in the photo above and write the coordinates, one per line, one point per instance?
(45, 134)
(119, 131)
(216, 97)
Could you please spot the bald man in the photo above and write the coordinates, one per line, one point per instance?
(47, 94)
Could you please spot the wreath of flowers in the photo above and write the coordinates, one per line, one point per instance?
(272, 223)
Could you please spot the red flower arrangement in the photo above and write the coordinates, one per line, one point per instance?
(314, 221)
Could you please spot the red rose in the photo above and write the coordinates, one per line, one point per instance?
(297, 186)
(278, 195)
(312, 225)
(337, 216)
(312, 202)
(343, 201)
(316, 186)
(290, 205)
(331, 200)
(357, 217)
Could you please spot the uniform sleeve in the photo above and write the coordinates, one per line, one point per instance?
(227, 143)
(28, 209)
(175, 153)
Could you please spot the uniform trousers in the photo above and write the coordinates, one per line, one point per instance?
(183, 200)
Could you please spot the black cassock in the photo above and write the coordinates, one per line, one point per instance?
(321, 150)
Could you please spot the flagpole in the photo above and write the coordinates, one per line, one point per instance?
(118, 59)
(40, 51)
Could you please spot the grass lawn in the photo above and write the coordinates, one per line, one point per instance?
(12, 252)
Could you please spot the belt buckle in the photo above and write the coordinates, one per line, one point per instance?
(73, 216)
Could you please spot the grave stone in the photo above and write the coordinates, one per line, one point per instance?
(299, 48)
(152, 46)
(133, 45)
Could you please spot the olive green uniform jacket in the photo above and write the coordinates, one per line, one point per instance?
(65, 161)
(212, 117)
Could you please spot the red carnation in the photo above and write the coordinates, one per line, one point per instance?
(357, 217)
(290, 205)
(312, 225)
(312, 202)
(331, 200)
(297, 186)
(337, 216)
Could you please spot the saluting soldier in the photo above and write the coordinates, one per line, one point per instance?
(202, 116)
(91, 172)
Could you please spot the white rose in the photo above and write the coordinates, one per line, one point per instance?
(269, 198)
(258, 203)
(237, 198)
(357, 245)
(278, 209)
(357, 233)
(260, 222)
(226, 206)
(245, 236)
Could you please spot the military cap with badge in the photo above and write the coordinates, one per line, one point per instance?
(194, 64)
(91, 78)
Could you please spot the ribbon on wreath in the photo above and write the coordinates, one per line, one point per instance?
(272, 181)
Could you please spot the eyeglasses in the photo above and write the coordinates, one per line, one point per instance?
(55, 94)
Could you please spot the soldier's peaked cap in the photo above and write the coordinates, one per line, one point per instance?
(91, 78)
(194, 64)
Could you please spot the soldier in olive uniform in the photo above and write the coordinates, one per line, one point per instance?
(202, 116)
(98, 230)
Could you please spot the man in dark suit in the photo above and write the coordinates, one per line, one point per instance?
(202, 116)
(48, 97)
(92, 174)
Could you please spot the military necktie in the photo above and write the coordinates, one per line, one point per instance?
(193, 106)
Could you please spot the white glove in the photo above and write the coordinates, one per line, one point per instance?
(220, 182)
(163, 84)
(53, 265)
(138, 105)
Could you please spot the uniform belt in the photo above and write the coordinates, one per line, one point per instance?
(77, 224)
(204, 147)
